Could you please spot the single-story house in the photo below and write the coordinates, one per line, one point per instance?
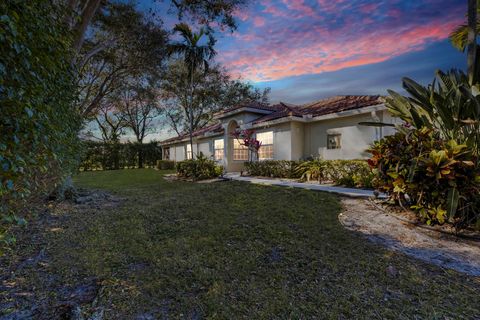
(328, 128)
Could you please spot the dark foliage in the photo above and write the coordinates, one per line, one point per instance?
(200, 168)
(112, 156)
(38, 125)
(437, 178)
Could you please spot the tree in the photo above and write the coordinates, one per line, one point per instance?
(213, 91)
(465, 36)
(132, 46)
(139, 106)
(195, 57)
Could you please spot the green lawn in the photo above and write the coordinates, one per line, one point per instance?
(232, 250)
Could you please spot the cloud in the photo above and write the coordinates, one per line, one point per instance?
(296, 37)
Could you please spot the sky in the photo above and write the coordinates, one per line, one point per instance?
(305, 50)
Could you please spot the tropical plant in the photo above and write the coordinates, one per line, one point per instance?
(436, 177)
(195, 56)
(312, 170)
(465, 37)
(449, 105)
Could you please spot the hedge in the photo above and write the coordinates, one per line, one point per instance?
(350, 173)
(104, 156)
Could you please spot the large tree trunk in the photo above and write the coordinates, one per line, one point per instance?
(472, 43)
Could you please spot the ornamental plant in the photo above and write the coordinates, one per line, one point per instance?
(247, 138)
(437, 178)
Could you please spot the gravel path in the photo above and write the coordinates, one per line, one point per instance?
(389, 229)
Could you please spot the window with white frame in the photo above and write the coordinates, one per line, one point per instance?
(334, 141)
(218, 149)
(240, 152)
(266, 149)
(189, 151)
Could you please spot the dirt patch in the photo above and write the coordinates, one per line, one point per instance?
(395, 231)
(30, 288)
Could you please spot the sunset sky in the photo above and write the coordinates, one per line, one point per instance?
(310, 49)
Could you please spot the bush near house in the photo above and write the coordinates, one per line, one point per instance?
(200, 168)
(439, 179)
(165, 164)
(273, 168)
(349, 173)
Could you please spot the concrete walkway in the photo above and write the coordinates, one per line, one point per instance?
(351, 192)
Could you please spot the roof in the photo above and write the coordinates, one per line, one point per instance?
(248, 106)
(282, 110)
(211, 130)
(321, 107)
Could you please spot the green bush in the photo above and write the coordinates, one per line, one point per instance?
(438, 179)
(349, 173)
(200, 168)
(273, 168)
(165, 164)
(112, 156)
(39, 126)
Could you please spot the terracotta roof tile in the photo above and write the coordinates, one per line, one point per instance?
(214, 128)
(322, 107)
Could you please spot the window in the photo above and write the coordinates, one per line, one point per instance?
(189, 151)
(333, 141)
(218, 149)
(266, 149)
(240, 152)
(166, 153)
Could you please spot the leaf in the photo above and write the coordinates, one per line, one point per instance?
(452, 202)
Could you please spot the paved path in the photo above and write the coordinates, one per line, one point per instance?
(351, 192)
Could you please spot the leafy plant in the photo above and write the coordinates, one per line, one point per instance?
(450, 105)
(273, 168)
(200, 168)
(438, 178)
(312, 170)
(38, 127)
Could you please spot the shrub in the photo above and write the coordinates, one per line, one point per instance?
(39, 126)
(165, 164)
(350, 173)
(439, 179)
(273, 168)
(312, 170)
(198, 169)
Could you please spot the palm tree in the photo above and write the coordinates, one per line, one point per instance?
(195, 56)
(465, 37)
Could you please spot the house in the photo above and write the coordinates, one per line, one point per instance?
(328, 128)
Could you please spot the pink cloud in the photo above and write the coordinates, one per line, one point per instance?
(271, 63)
(258, 21)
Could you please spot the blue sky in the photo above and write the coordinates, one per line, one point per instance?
(306, 50)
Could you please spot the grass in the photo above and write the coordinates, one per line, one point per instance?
(231, 250)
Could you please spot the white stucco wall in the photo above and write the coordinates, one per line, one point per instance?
(297, 130)
(355, 139)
